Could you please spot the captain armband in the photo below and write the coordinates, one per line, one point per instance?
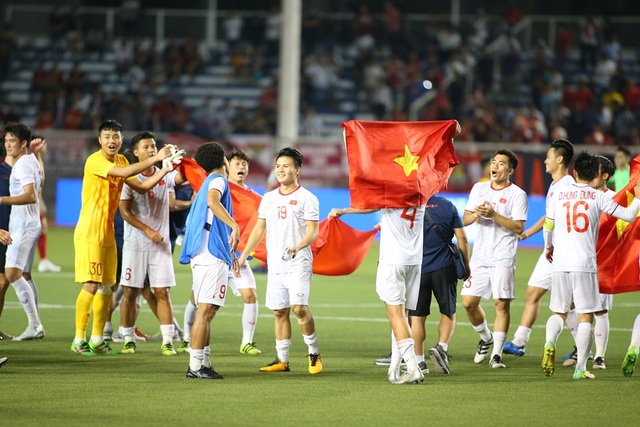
(549, 224)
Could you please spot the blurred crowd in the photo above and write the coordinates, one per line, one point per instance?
(575, 87)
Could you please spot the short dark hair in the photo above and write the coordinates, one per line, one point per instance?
(564, 148)
(606, 165)
(140, 136)
(513, 158)
(624, 150)
(297, 157)
(128, 153)
(586, 166)
(110, 125)
(210, 156)
(239, 154)
(19, 130)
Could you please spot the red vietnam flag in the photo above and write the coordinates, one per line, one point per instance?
(618, 246)
(245, 212)
(339, 249)
(398, 164)
(192, 172)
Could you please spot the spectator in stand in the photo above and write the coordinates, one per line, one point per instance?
(381, 100)
(57, 30)
(191, 57)
(605, 69)
(273, 24)
(233, 24)
(588, 43)
(363, 22)
(312, 124)
(510, 69)
(8, 45)
(95, 42)
(394, 36)
(131, 14)
(631, 94)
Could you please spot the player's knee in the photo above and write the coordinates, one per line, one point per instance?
(282, 313)
(105, 289)
(303, 315)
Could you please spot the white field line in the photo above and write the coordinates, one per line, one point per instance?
(233, 311)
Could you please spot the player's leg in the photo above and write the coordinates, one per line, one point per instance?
(476, 288)
(209, 289)
(189, 316)
(277, 299)
(601, 330)
(586, 297)
(45, 264)
(245, 285)
(445, 292)
(418, 317)
(134, 272)
(631, 357)
(162, 279)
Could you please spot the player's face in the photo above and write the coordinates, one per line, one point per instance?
(500, 169)
(552, 162)
(620, 159)
(286, 171)
(238, 170)
(14, 146)
(110, 143)
(146, 148)
(600, 181)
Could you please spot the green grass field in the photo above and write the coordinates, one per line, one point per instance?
(43, 383)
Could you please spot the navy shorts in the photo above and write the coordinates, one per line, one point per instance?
(442, 284)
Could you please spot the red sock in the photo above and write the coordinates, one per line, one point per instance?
(42, 246)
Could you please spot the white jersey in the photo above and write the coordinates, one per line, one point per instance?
(286, 217)
(576, 210)
(495, 246)
(27, 170)
(555, 186)
(152, 208)
(401, 235)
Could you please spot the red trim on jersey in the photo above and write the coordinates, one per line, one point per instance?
(500, 189)
(282, 194)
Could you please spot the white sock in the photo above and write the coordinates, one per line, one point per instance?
(583, 343)
(635, 333)
(249, 320)
(498, 343)
(34, 290)
(312, 342)
(444, 345)
(601, 333)
(108, 327)
(483, 330)
(572, 323)
(396, 359)
(23, 291)
(420, 357)
(521, 337)
(407, 352)
(189, 316)
(176, 324)
(167, 333)
(128, 333)
(206, 360)
(196, 359)
(554, 328)
(282, 350)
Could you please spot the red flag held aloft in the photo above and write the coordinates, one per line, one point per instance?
(618, 246)
(398, 164)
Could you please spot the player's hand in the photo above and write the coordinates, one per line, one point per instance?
(335, 213)
(154, 236)
(235, 266)
(636, 189)
(5, 237)
(241, 261)
(36, 145)
(234, 238)
(164, 152)
(549, 254)
(523, 236)
(485, 210)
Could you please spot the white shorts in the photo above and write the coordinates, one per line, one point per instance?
(577, 287)
(245, 281)
(210, 282)
(287, 289)
(398, 284)
(606, 302)
(20, 253)
(541, 275)
(485, 282)
(136, 265)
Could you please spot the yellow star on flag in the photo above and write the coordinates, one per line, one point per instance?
(408, 162)
(621, 225)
